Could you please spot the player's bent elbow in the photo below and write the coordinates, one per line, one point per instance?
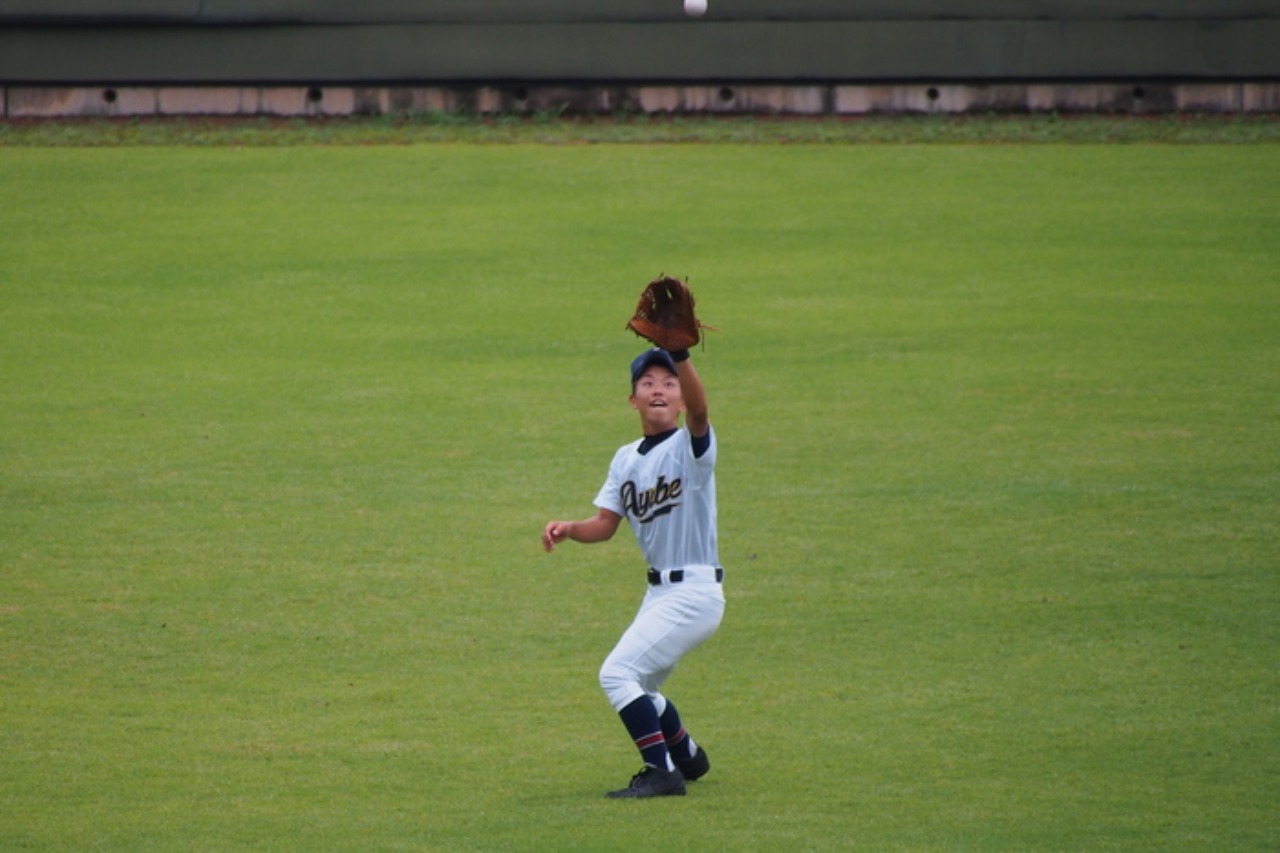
(605, 525)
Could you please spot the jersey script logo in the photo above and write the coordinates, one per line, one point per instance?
(653, 502)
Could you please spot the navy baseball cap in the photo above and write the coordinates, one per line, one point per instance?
(647, 359)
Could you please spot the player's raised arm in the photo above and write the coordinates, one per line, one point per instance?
(696, 416)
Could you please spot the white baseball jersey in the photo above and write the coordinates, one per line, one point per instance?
(669, 498)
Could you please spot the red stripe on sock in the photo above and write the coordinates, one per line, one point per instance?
(649, 740)
(678, 737)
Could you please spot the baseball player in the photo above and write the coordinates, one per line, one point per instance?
(664, 486)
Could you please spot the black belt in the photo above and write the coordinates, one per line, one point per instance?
(677, 576)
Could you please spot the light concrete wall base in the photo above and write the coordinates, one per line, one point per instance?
(726, 98)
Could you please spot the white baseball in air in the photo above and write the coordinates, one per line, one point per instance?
(695, 7)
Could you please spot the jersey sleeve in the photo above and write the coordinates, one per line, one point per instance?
(610, 495)
(700, 443)
(704, 461)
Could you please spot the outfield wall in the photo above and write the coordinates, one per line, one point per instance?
(335, 56)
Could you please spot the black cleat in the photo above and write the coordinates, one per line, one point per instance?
(694, 768)
(652, 782)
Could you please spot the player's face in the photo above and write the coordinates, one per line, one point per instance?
(657, 398)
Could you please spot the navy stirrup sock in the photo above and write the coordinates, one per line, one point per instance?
(641, 720)
(679, 744)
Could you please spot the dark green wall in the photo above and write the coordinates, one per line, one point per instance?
(402, 41)
(566, 11)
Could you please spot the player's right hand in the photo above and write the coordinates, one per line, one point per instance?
(555, 531)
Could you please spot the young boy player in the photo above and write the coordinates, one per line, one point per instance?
(664, 485)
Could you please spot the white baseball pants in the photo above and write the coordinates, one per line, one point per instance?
(674, 619)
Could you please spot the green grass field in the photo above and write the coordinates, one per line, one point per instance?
(999, 495)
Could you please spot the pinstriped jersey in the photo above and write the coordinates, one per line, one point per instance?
(668, 496)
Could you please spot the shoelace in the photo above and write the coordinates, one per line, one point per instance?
(643, 773)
